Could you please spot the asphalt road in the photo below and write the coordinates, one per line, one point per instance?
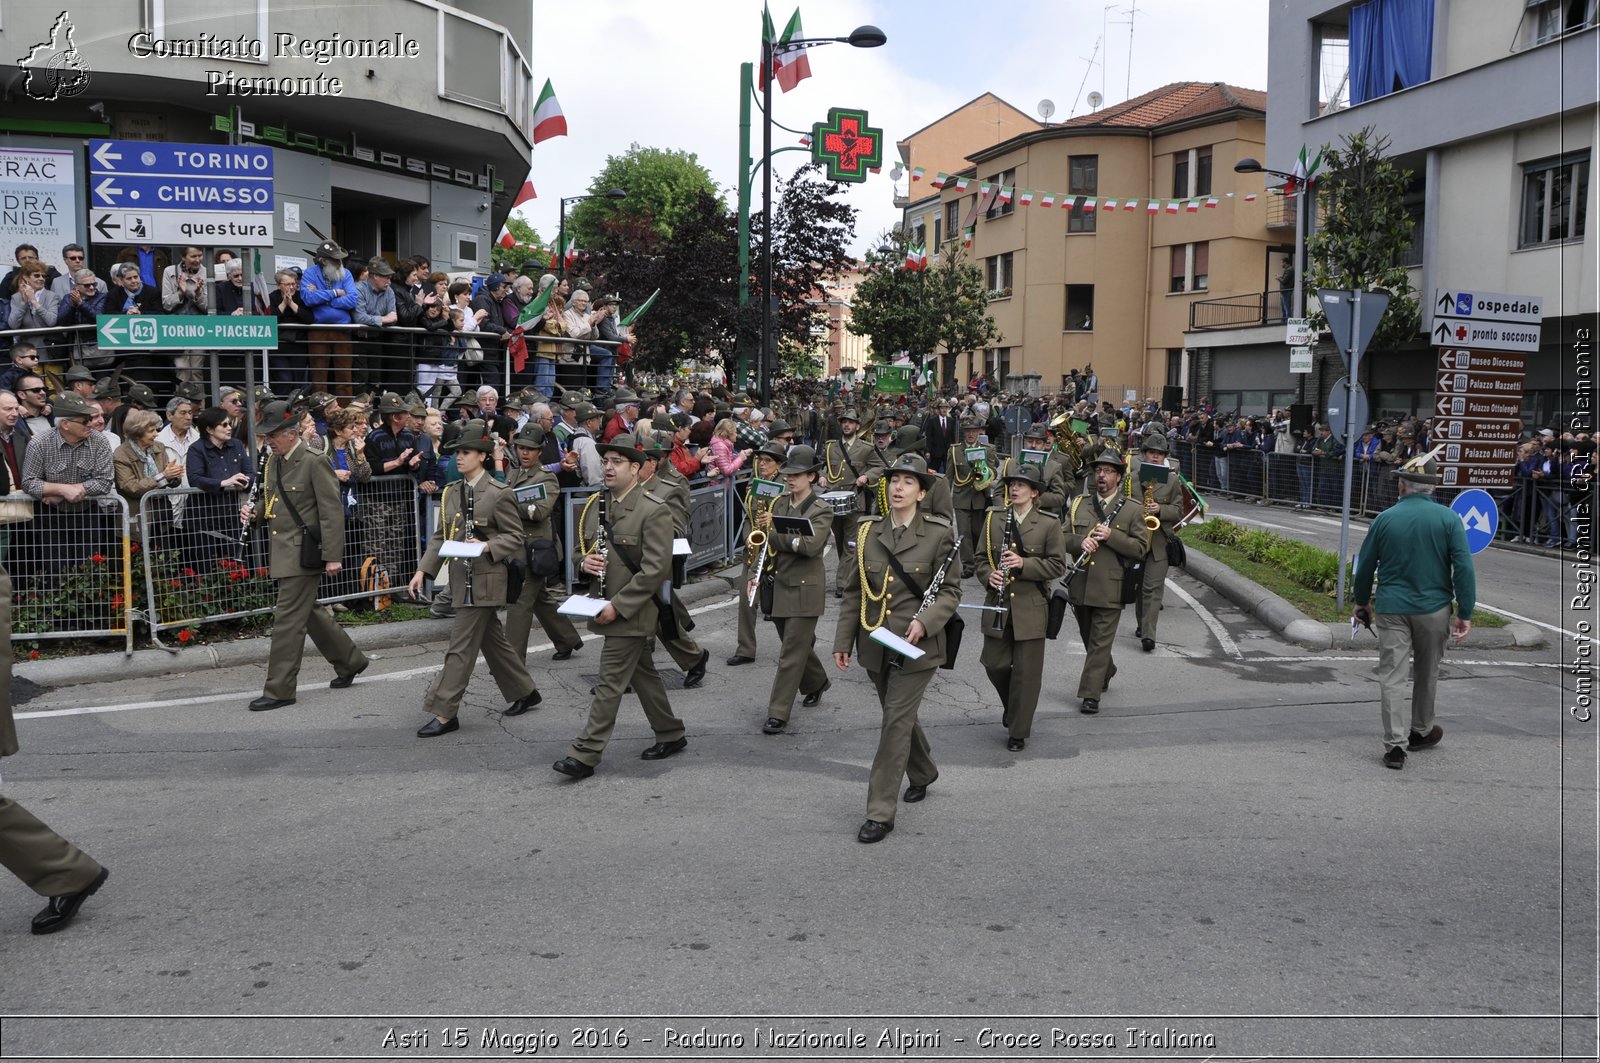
(1218, 855)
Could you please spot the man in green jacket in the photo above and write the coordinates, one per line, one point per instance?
(1418, 551)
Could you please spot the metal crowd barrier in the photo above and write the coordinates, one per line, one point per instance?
(71, 570)
(715, 514)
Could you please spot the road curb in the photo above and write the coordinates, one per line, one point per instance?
(154, 663)
(1310, 634)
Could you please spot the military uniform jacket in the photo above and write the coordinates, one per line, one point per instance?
(798, 570)
(537, 517)
(1044, 546)
(669, 485)
(306, 481)
(1099, 583)
(937, 500)
(641, 531)
(924, 545)
(963, 478)
(498, 524)
(838, 459)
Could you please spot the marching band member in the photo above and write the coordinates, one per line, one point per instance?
(1166, 505)
(968, 487)
(1020, 553)
(767, 462)
(475, 509)
(1103, 532)
(629, 551)
(797, 574)
(918, 545)
(665, 482)
(539, 598)
(845, 465)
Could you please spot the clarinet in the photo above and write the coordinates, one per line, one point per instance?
(1083, 558)
(602, 545)
(250, 501)
(467, 533)
(1010, 540)
(931, 593)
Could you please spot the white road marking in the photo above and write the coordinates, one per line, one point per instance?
(1573, 635)
(386, 677)
(1229, 647)
(1259, 523)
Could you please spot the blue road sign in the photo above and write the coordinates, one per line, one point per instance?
(1480, 516)
(186, 193)
(178, 160)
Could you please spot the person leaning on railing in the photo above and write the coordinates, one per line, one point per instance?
(67, 469)
(346, 452)
(141, 465)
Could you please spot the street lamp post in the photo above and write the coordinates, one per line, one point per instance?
(860, 37)
(561, 228)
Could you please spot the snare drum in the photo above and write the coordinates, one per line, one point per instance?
(843, 503)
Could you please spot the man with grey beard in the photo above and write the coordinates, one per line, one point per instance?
(329, 290)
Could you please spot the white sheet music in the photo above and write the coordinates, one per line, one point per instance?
(582, 605)
(890, 641)
(681, 548)
(457, 548)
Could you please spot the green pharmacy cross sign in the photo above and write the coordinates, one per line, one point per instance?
(846, 145)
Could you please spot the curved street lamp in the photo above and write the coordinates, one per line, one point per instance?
(561, 229)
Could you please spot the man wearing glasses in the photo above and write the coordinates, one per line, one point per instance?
(76, 259)
(24, 362)
(31, 392)
(67, 469)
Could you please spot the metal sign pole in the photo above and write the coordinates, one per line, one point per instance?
(1349, 439)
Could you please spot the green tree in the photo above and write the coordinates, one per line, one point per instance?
(663, 188)
(528, 247)
(1364, 233)
(943, 309)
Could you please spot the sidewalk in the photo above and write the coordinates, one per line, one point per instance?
(1272, 611)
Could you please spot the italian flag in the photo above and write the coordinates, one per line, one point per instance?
(525, 194)
(917, 172)
(1048, 199)
(966, 237)
(1250, 197)
(788, 68)
(1211, 202)
(1305, 173)
(961, 184)
(1089, 206)
(1005, 194)
(548, 121)
(505, 239)
(916, 258)
(1026, 199)
(1130, 204)
(557, 259)
(940, 179)
(1153, 207)
(1172, 206)
(1192, 207)
(1111, 204)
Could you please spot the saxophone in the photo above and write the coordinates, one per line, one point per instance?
(757, 545)
(1151, 521)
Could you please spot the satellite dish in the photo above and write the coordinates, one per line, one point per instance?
(1047, 108)
(897, 173)
(1095, 100)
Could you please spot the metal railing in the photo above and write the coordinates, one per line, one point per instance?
(1241, 311)
(71, 569)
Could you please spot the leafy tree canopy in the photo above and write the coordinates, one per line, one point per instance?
(663, 188)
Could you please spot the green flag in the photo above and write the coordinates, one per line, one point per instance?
(639, 310)
(535, 308)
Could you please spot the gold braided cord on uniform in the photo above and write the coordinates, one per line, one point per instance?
(955, 470)
(880, 598)
(584, 549)
(988, 541)
(883, 495)
(834, 472)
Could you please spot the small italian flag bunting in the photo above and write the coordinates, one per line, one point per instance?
(983, 188)
(1005, 194)
(1250, 197)
(966, 237)
(1089, 206)
(961, 184)
(548, 121)
(1153, 207)
(917, 172)
(1192, 206)
(1026, 198)
(1172, 206)
(940, 180)
(1211, 202)
(1048, 199)
(1111, 204)
(505, 239)
(1130, 204)
(805, 140)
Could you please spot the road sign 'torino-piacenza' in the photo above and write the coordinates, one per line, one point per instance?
(209, 195)
(177, 332)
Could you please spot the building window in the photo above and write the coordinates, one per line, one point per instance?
(189, 19)
(1191, 267)
(1080, 307)
(997, 209)
(1202, 171)
(999, 362)
(1548, 19)
(1415, 204)
(1332, 66)
(1083, 179)
(999, 272)
(919, 233)
(952, 219)
(1174, 367)
(1191, 173)
(1555, 195)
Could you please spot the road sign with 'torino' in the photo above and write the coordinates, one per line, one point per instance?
(180, 332)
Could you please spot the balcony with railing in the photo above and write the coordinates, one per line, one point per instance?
(1250, 310)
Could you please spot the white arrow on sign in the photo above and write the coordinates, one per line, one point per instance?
(1476, 520)
(105, 156)
(113, 330)
(107, 190)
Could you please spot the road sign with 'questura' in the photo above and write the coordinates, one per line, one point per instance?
(1480, 516)
(144, 192)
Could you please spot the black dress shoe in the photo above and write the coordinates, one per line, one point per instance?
(522, 705)
(1147, 644)
(1014, 745)
(838, 594)
(693, 676)
(663, 750)
(339, 682)
(873, 831)
(1090, 706)
(433, 728)
(773, 726)
(59, 911)
(1427, 741)
(1395, 758)
(564, 655)
(570, 766)
(264, 704)
(815, 696)
(1138, 632)
(914, 794)
(737, 659)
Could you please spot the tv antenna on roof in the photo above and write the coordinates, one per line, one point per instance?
(1047, 107)
(1086, 71)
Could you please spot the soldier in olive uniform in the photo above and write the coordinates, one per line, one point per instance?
(630, 555)
(662, 479)
(496, 524)
(1022, 552)
(539, 598)
(797, 573)
(44, 861)
(1102, 523)
(1167, 506)
(876, 597)
(300, 493)
(970, 500)
(1055, 474)
(845, 465)
(768, 460)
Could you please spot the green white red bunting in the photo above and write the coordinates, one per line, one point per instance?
(1030, 197)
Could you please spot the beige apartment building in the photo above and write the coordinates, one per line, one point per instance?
(1077, 282)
